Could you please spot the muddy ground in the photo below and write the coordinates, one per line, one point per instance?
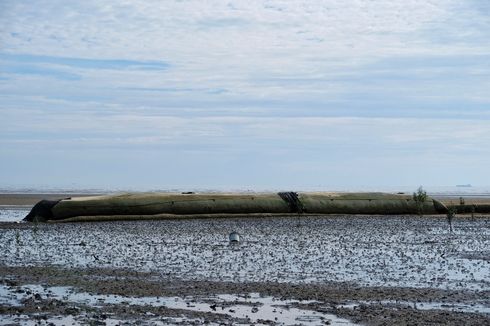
(372, 270)
(332, 298)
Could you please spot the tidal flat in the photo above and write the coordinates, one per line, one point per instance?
(373, 270)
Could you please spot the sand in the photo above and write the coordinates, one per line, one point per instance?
(33, 198)
(30, 199)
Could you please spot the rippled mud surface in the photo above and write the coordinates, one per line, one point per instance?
(371, 251)
(357, 269)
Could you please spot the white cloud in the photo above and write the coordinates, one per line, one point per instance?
(213, 32)
(70, 129)
(250, 48)
(299, 84)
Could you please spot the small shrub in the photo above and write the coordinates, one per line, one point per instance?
(451, 213)
(17, 238)
(420, 197)
(35, 228)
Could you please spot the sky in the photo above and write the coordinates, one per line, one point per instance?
(250, 95)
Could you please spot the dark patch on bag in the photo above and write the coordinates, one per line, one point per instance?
(41, 212)
(292, 199)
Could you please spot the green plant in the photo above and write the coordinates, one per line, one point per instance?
(17, 238)
(420, 197)
(462, 206)
(35, 228)
(451, 213)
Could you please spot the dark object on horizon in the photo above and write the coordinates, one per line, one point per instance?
(464, 186)
(151, 206)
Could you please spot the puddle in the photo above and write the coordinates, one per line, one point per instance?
(267, 308)
(251, 308)
(13, 213)
(458, 307)
(38, 320)
(26, 320)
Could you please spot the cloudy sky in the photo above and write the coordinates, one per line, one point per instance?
(328, 94)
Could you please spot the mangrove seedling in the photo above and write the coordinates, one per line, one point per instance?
(420, 197)
(451, 213)
(473, 210)
(17, 238)
(35, 227)
(462, 206)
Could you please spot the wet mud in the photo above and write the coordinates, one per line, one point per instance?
(332, 270)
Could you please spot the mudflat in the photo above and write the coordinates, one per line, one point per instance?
(18, 199)
(376, 270)
(100, 296)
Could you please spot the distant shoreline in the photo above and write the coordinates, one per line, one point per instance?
(26, 199)
(22, 199)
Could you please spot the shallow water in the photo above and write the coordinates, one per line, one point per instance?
(251, 308)
(13, 213)
(421, 305)
(370, 251)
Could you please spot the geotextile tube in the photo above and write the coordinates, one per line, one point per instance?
(144, 206)
(471, 208)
